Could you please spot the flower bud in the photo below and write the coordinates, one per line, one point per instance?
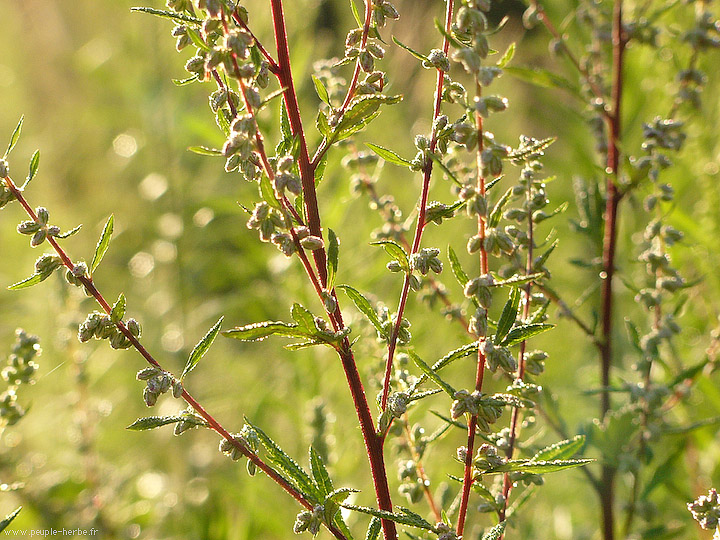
(4, 168)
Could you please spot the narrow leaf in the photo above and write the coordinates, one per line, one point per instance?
(288, 465)
(268, 193)
(410, 519)
(517, 279)
(205, 151)
(321, 475)
(201, 348)
(152, 422)
(507, 56)
(363, 305)
(445, 170)
(542, 78)
(304, 319)
(496, 213)
(521, 333)
(333, 254)
(373, 532)
(460, 352)
(456, 268)
(412, 51)
(508, 316)
(34, 164)
(339, 495)
(69, 233)
(496, 532)
(182, 17)
(323, 126)
(28, 282)
(103, 243)
(186, 81)
(262, 330)
(8, 519)
(539, 467)
(427, 370)
(451, 39)
(321, 90)
(222, 121)
(320, 169)
(388, 155)
(118, 310)
(198, 41)
(355, 13)
(561, 450)
(15, 136)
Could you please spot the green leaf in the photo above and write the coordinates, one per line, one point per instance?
(484, 492)
(456, 268)
(304, 319)
(496, 532)
(373, 532)
(69, 233)
(388, 155)
(496, 212)
(118, 310)
(451, 39)
(8, 519)
(396, 251)
(181, 17)
(152, 422)
(321, 90)
(460, 352)
(561, 450)
(198, 41)
(262, 330)
(201, 348)
(186, 81)
(271, 96)
(427, 370)
(355, 13)
(412, 51)
(507, 56)
(538, 467)
(339, 495)
(222, 121)
(321, 122)
(285, 127)
(103, 243)
(524, 152)
(406, 518)
(268, 193)
(361, 111)
(29, 282)
(320, 168)
(517, 279)
(445, 170)
(363, 305)
(205, 151)
(543, 78)
(15, 136)
(289, 466)
(508, 316)
(333, 254)
(34, 164)
(321, 475)
(522, 333)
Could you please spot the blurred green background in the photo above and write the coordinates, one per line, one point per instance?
(94, 83)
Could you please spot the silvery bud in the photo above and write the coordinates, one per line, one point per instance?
(437, 59)
(38, 238)
(398, 403)
(149, 397)
(177, 389)
(367, 62)
(312, 243)
(47, 263)
(147, 373)
(4, 168)
(28, 227)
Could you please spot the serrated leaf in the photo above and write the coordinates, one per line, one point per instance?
(321, 122)
(118, 310)
(321, 475)
(222, 121)
(526, 151)
(456, 268)
(412, 51)
(69, 233)
(524, 332)
(340, 494)
(262, 330)
(363, 305)
(517, 279)
(103, 243)
(388, 155)
(201, 348)
(460, 352)
(396, 251)
(321, 90)
(304, 319)
(496, 212)
(373, 532)
(333, 255)
(34, 165)
(8, 519)
(268, 193)
(289, 466)
(428, 371)
(361, 109)
(15, 136)
(406, 518)
(205, 151)
(561, 450)
(152, 422)
(507, 56)
(173, 15)
(496, 532)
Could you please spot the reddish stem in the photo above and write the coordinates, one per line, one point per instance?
(420, 226)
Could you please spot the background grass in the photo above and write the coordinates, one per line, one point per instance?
(94, 83)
